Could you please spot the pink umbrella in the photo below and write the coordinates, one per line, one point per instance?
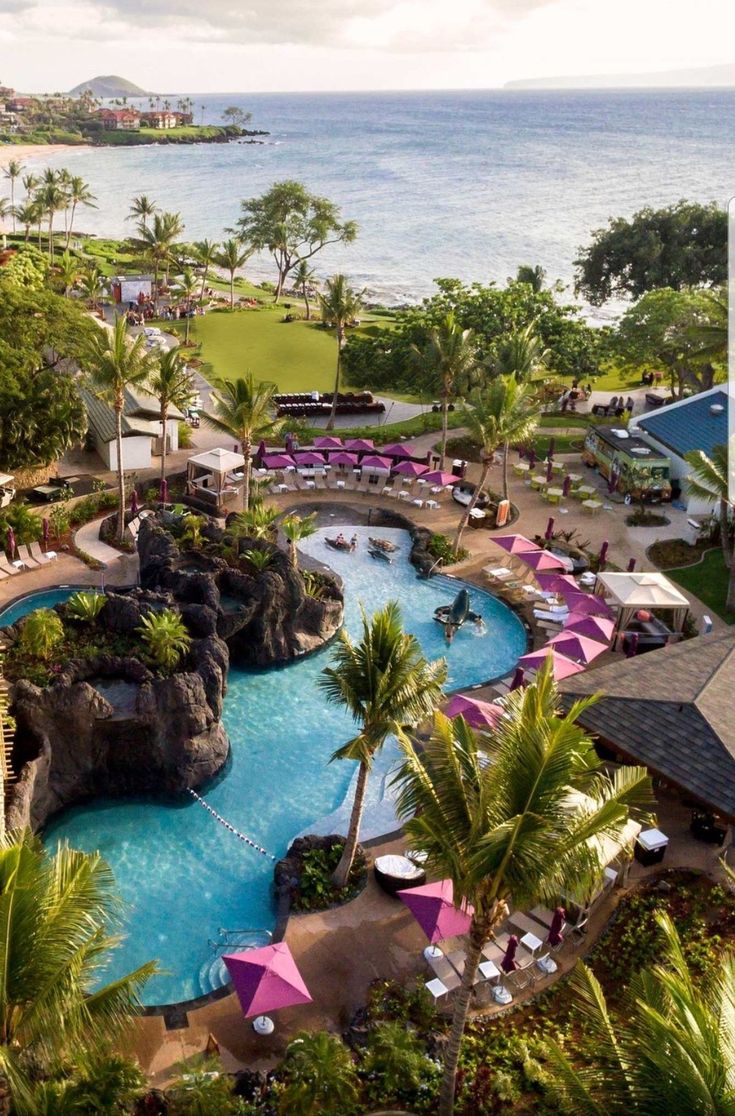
(631, 565)
(566, 486)
(45, 528)
(549, 470)
(278, 461)
(442, 480)
(518, 679)
(514, 544)
(133, 503)
(342, 458)
(11, 543)
(603, 554)
(509, 963)
(308, 457)
(549, 528)
(163, 493)
(558, 922)
(478, 714)
(397, 449)
(557, 583)
(578, 647)
(362, 445)
(433, 908)
(410, 469)
(560, 665)
(594, 627)
(326, 441)
(375, 462)
(588, 604)
(266, 979)
(540, 560)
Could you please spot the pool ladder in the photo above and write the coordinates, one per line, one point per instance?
(213, 972)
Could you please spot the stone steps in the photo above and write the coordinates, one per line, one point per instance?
(213, 973)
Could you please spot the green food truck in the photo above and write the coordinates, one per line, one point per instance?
(629, 463)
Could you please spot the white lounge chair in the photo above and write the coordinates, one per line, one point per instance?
(41, 555)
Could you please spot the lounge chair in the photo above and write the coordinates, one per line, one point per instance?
(28, 560)
(8, 567)
(4, 575)
(41, 555)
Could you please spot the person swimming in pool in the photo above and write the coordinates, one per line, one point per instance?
(353, 542)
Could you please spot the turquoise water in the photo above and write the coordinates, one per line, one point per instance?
(183, 876)
(44, 598)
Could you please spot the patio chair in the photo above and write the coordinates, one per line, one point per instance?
(4, 575)
(8, 567)
(320, 481)
(445, 971)
(39, 554)
(28, 560)
(577, 933)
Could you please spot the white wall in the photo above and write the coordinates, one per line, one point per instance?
(136, 453)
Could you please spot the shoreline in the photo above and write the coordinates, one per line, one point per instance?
(25, 151)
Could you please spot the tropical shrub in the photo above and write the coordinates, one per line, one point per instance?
(59, 520)
(26, 526)
(203, 1090)
(260, 560)
(315, 890)
(396, 1064)
(191, 531)
(86, 606)
(320, 1077)
(41, 633)
(166, 638)
(442, 547)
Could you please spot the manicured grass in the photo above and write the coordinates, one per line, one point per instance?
(707, 581)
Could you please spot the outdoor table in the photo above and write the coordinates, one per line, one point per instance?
(586, 490)
(404, 495)
(340, 484)
(521, 467)
(554, 495)
(432, 504)
(537, 480)
(436, 988)
(310, 484)
(282, 487)
(557, 466)
(592, 506)
(418, 503)
(19, 564)
(420, 482)
(387, 490)
(436, 489)
(531, 943)
(574, 478)
(489, 970)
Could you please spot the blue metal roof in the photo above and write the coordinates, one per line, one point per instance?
(691, 426)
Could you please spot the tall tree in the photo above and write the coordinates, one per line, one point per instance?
(447, 358)
(230, 257)
(710, 480)
(79, 193)
(141, 209)
(682, 245)
(157, 241)
(339, 305)
(244, 409)
(385, 683)
(296, 528)
(303, 281)
(67, 268)
(205, 252)
(667, 1049)
(320, 1077)
(12, 172)
(500, 414)
(189, 285)
(55, 915)
(52, 198)
(172, 384)
(521, 354)
(534, 275)
(292, 225)
(113, 363)
(28, 214)
(501, 819)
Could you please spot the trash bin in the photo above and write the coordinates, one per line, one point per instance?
(650, 848)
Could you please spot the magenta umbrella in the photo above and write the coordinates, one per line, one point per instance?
(509, 963)
(514, 544)
(442, 480)
(278, 461)
(373, 461)
(558, 922)
(540, 560)
(11, 543)
(518, 679)
(561, 666)
(578, 647)
(410, 469)
(432, 905)
(308, 457)
(587, 604)
(478, 714)
(133, 503)
(362, 445)
(342, 458)
(266, 979)
(163, 493)
(566, 486)
(557, 583)
(397, 449)
(594, 627)
(603, 554)
(549, 528)
(549, 470)
(327, 441)
(631, 565)
(631, 645)
(45, 529)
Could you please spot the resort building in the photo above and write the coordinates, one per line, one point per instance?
(141, 429)
(120, 120)
(159, 119)
(696, 423)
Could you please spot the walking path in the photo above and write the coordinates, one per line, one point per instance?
(87, 539)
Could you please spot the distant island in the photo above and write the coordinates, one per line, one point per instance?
(108, 86)
(701, 76)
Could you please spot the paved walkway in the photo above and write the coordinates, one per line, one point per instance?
(87, 539)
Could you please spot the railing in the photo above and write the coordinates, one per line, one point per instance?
(226, 937)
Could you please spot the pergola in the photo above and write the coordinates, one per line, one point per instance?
(215, 477)
(629, 592)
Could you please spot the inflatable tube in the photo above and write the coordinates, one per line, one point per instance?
(382, 555)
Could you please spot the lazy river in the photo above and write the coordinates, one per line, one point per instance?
(183, 876)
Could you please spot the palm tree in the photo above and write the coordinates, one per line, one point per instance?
(231, 256)
(385, 682)
(30, 183)
(79, 194)
(113, 365)
(503, 818)
(55, 915)
(244, 409)
(172, 384)
(339, 306)
(500, 414)
(27, 214)
(447, 358)
(189, 285)
(303, 281)
(13, 171)
(52, 198)
(258, 522)
(141, 209)
(535, 276)
(709, 480)
(91, 286)
(321, 1076)
(668, 1048)
(68, 271)
(296, 528)
(521, 354)
(157, 241)
(205, 252)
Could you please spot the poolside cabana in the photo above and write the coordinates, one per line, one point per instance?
(214, 480)
(631, 592)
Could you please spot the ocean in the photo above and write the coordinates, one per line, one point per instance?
(465, 184)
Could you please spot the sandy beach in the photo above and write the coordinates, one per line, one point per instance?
(36, 151)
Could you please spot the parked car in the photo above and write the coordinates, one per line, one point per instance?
(465, 490)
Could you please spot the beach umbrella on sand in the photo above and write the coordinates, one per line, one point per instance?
(518, 679)
(540, 560)
(133, 503)
(509, 963)
(342, 458)
(359, 445)
(478, 714)
(11, 543)
(410, 469)
(327, 441)
(397, 449)
(45, 529)
(514, 544)
(549, 528)
(561, 666)
(432, 905)
(163, 493)
(594, 627)
(558, 922)
(265, 980)
(440, 479)
(578, 647)
(278, 461)
(308, 457)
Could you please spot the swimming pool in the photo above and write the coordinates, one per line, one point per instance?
(43, 598)
(183, 876)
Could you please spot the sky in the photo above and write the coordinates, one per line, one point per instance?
(201, 46)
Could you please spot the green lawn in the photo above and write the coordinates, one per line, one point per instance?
(707, 581)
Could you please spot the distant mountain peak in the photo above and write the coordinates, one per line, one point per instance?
(109, 85)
